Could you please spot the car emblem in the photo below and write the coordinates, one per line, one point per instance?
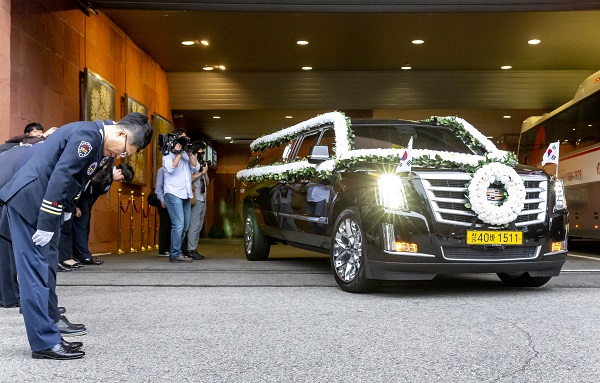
(495, 195)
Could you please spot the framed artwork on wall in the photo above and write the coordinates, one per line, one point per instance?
(161, 126)
(139, 160)
(98, 97)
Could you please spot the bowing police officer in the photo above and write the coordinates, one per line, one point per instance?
(35, 199)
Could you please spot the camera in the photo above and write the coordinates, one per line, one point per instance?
(167, 143)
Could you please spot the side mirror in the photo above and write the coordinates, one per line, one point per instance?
(318, 154)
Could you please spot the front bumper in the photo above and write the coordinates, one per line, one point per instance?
(442, 249)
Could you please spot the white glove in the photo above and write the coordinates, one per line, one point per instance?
(67, 216)
(41, 238)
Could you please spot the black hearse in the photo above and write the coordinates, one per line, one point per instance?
(403, 200)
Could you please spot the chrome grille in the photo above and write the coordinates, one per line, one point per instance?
(480, 253)
(446, 194)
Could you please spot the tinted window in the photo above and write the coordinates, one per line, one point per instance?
(272, 155)
(395, 137)
(308, 142)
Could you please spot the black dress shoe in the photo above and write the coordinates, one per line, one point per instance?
(92, 261)
(61, 310)
(72, 266)
(68, 329)
(62, 267)
(65, 320)
(11, 305)
(73, 346)
(58, 352)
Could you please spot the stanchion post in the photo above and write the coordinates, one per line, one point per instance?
(119, 250)
(150, 247)
(143, 247)
(131, 250)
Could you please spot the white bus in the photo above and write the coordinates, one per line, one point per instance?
(576, 125)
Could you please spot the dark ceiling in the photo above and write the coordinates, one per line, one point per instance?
(347, 39)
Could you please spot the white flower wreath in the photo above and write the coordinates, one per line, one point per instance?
(488, 212)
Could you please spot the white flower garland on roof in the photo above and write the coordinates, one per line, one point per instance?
(337, 119)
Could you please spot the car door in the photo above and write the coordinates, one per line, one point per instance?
(304, 210)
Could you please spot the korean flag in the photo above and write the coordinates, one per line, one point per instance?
(406, 160)
(551, 154)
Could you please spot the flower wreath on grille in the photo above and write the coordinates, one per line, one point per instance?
(488, 212)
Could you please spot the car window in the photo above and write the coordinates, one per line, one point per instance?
(389, 137)
(308, 141)
(328, 139)
(272, 155)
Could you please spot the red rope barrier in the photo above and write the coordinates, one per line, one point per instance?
(127, 208)
(135, 207)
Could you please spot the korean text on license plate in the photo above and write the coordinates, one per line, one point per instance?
(489, 237)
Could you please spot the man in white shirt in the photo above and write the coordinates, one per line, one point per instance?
(179, 166)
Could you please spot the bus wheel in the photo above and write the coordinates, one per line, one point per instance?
(348, 259)
(256, 244)
(522, 280)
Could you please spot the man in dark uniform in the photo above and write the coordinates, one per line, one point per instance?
(35, 198)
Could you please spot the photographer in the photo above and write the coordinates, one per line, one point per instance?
(200, 182)
(179, 165)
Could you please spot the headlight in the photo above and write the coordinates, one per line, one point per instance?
(391, 192)
(559, 195)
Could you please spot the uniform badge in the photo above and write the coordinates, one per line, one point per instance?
(84, 149)
(91, 168)
(103, 161)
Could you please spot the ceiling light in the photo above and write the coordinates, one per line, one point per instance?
(489, 137)
(231, 142)
(289, 117)
(534, 42)
(228, 138)
(222, 67)
(418, 42)
(506, 67)
(208, 68)
(406, 66)
(306, 68)
(216, 116)
(188, 42)
(204, 42)
(302, 42)
(506, 116)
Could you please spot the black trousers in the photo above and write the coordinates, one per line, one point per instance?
(164, 231)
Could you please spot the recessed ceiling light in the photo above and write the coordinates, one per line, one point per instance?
(222, 67)
(302, 42)
(534, 41)
(228, 138)
(306, 68)
(188, 42)
(589, 125)
(406, 66)
(289, 117)
(506, 116)
(204, 42)
(506, 67)
(216, 116)
(208, 68)
(489, 137)
(418, 42)
(231, 142)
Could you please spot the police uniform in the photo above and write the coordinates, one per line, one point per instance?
(34, 199)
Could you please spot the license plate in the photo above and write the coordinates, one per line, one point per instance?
(488, 237)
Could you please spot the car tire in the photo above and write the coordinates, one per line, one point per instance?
(522, 280)
(348, 254)
(256, 244)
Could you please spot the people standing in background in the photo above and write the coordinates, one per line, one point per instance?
(99, 185)
(164, 230)
(199, 184)
(179, 166)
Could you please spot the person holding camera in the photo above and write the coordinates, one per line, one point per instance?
(179, 165)
(200, 182)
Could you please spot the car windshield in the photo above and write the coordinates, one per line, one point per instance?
(397, 136)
